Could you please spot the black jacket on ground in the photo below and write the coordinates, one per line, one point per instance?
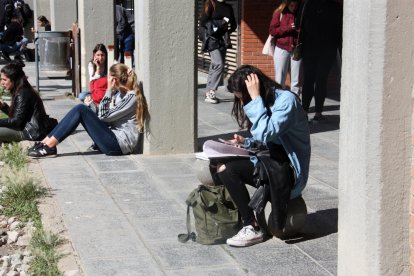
(29, 112)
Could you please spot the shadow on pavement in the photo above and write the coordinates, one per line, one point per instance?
(319, 224)
(330, 123)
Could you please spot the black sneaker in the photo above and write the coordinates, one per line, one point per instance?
(93, 147)
(5, 56)
(36, 145)
(42, 150)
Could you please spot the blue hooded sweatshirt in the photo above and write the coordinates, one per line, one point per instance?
(287, 126)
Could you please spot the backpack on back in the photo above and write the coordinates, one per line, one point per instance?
(216, 216)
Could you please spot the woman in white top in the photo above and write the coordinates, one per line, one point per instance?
(98, 83)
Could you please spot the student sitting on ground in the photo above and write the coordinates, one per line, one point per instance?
(117, 127)
(26, 113)
(12, 40)
(277, 121)
(98, 82)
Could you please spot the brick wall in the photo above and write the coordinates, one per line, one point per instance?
(256, 16)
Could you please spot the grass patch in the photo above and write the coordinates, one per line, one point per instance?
(45, 257)
(21, 195)
(13, 155)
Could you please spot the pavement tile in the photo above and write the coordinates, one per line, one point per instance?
(325, 149)
(153, 229)
(210, 271)
(111, 165)
(268, 260)
(176, 255)
(324, 170)
(137, 266)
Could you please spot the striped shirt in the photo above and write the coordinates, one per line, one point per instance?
(118, 111)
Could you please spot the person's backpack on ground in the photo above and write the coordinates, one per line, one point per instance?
(216, 216)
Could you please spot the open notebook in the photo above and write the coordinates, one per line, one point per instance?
(214, 150)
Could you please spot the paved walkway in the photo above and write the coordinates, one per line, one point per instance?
(123, 213)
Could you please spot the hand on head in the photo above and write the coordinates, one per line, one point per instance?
(253, 85)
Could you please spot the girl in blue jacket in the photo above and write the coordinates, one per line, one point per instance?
(278, 121)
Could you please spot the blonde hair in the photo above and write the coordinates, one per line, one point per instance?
(128, 78)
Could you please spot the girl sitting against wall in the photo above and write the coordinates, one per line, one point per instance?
(98, 82)
(117, 127)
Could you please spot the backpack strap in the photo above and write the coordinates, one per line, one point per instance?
(190, 235)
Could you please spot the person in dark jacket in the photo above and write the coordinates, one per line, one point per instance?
(13, 40)
(217, 10)
(279, 123)
(322, 38)
(125, 34)
(26, 106)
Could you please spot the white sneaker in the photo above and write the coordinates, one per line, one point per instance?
(211, 97)
(246, 236)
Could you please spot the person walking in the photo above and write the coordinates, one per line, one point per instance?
(278, 122)
(26, 115)
(216, 17)
(117, 127)
(285, 31)
(322, 38)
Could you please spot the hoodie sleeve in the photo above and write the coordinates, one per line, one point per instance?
(267, 128)
(125, 107)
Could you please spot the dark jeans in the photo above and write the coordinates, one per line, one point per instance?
(316, 68)
(98, 130)
(234, 177)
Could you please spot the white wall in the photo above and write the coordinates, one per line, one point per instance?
(375, 137)
(166, 66)
(62, 14)
(96, 22)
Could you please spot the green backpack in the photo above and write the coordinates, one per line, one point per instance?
(216, 216)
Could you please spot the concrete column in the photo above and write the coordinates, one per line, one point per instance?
(62, 14)
(41, 7)
(375, 138)
(167, 69)
(96, 24)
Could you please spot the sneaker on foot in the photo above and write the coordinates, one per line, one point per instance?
(92, 147)
(35, 146)
(247, 236)
(5, 56)
(42, 150)
(211, 97)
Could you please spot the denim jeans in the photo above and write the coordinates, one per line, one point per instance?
(98, 130)
(83, 95)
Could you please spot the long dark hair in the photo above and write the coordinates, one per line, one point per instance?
(102, 48)
(14, 71)
(43, 18)
(237, 83)
(206, 6)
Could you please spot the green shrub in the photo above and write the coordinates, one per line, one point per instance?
(13, 155)
(21, 194)
(45, 257)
